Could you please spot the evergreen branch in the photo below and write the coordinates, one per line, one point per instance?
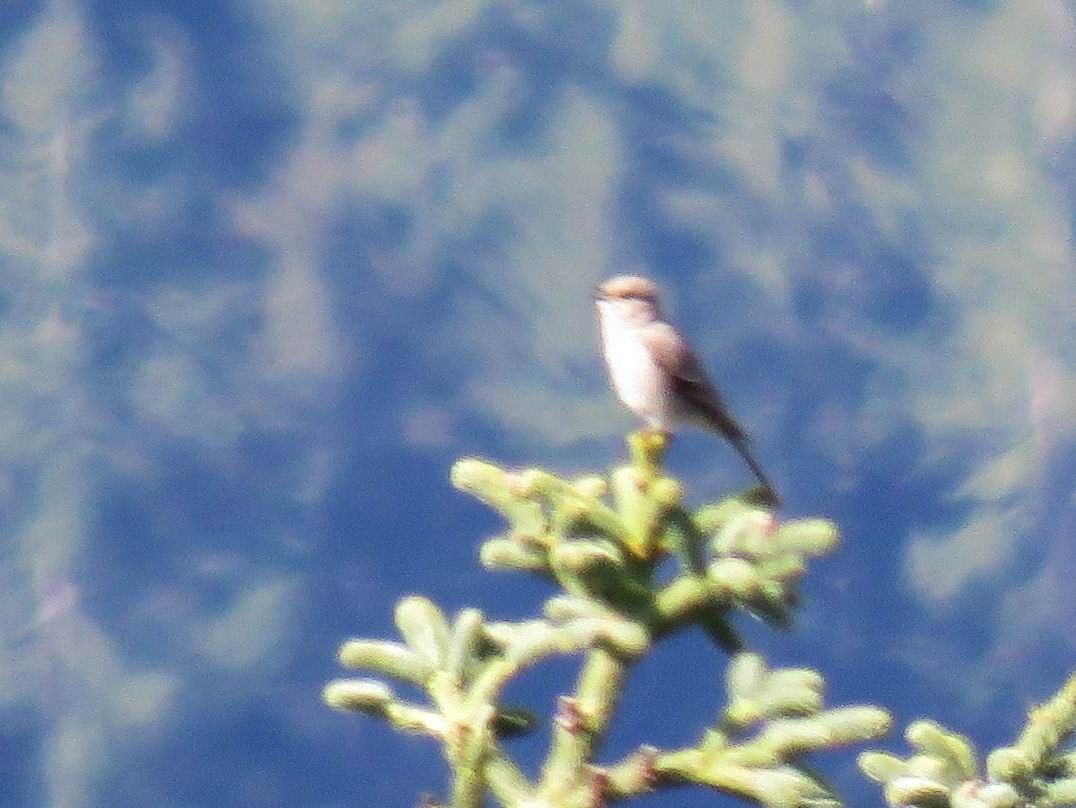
(601, 541)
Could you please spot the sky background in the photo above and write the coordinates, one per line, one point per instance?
(267, 267)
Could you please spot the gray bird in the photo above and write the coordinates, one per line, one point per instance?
(655, 372)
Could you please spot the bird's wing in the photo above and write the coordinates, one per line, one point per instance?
(673, 355)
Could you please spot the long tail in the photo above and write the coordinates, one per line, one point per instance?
(723, 424)
(743, 447)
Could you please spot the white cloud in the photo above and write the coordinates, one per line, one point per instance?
(71, 668)
(256, 628)
(634, 48)
(44, 78)
(1004, 265)
(47, 70)
(158, 101)
(100, 702)
(300, 335)
(559, 200)
(1037, 615)
(325, 36)
(941, 566)
(171, 392)
(420, 34)
(301, 338)
(74, 755)
(559, 203)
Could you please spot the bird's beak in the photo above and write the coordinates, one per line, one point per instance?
(599, 293)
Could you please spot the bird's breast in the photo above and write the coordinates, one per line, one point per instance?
(636, 378)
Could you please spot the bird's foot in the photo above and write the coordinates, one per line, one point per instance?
(648, 447)
(762, 495)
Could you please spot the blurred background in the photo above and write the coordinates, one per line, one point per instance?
(267, 267)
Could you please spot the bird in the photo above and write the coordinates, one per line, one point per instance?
(655, 372)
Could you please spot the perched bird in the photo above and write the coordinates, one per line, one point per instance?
(655, 372)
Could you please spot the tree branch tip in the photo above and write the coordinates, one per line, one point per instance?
(357, 695)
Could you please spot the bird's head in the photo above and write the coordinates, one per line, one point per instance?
(629, 297)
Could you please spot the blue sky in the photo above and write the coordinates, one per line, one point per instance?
(267, 267)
